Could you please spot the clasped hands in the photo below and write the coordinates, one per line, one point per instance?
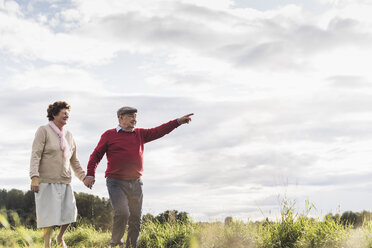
(89, 181)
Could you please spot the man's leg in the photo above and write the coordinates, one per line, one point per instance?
(135, 209)
(119, 203)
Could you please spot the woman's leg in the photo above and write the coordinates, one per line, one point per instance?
(48, 231)
(59, 237)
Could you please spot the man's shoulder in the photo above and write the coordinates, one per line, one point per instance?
(110, 131)
(138, 130)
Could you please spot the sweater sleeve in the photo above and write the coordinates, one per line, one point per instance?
(37, 151)
(158, 132)
(75, 163)
(97, 155)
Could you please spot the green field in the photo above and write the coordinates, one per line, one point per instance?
(289, 230)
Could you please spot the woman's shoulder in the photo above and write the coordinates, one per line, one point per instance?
(45, 127)
(42, 129)
(68, 133)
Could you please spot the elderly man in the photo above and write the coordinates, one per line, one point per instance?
(124, 146)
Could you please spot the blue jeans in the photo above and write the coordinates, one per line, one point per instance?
(126, 200)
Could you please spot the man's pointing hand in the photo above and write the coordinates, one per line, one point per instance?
(185, 119)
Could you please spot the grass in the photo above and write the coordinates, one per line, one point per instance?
(290, 230)
(217, 235)
(295, 230)
(167, 235)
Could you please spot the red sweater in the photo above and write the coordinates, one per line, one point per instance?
(124, 150)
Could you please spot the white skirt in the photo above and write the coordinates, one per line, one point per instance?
(55, 205)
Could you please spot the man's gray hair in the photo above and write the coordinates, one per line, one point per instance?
(126, 110)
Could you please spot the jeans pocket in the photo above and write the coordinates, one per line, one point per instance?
(109, 181)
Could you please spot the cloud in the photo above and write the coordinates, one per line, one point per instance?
(274, 40)
(347, 180)
(345, 2)
(12, 7)
(56, 77)
(349, 82)
(31, 40)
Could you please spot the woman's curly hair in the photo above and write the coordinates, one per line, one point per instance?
(55, 108)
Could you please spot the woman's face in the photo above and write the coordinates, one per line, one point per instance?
(62, 117)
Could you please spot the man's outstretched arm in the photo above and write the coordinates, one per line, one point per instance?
(158, 132)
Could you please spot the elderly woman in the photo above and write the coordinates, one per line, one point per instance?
(53, 156)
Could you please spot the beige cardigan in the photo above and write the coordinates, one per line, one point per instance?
(47, 161)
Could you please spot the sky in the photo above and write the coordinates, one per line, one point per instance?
(281, 92)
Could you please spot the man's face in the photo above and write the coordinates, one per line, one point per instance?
(62, 117)
(128, 121)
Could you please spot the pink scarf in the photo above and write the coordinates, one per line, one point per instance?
(62, 140)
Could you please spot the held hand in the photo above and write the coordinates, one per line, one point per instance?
(35, 184)
(89, 181)
(185, 119)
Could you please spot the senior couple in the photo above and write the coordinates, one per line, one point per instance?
(54, 155)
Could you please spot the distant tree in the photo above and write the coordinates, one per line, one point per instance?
(163, 217)
(15, 199)
(148, 218)
(94, 210)
(171, 216)
(103, 213)
(355, 219)
(85, 205)
(349, 218)
(228, 220)
(183, 217)
(365, 216)
(29, 216)
(29, 201)
(3, 194)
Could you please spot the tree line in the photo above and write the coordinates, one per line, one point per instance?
(355, 219)
(92, 210)
(97, 211)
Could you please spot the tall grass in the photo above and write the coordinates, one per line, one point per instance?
(361, 237)
(295, 230)
(87, 236)
(166, 235)
(290, 230)
(17, 235)
(217, 235)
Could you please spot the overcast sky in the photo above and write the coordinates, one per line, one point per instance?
(281, 91)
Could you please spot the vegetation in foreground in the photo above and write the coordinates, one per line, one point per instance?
(173, 229)
(292, 230)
